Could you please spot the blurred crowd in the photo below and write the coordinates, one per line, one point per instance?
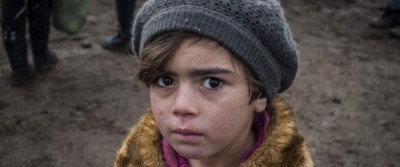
(15, 16)
(37, 13)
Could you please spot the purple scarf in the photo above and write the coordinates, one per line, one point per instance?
(173, 159)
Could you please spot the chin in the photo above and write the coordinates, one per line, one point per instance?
(191, 154)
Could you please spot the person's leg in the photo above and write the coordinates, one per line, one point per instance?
(13, 30)
(394, 5)
(125, 16)
(39, 28)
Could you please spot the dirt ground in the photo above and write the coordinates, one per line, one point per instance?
(346, 96)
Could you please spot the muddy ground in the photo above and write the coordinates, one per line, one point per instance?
(346, 96)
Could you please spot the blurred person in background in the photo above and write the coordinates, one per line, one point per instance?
(13, 22)
(120, 42)
(390, 19)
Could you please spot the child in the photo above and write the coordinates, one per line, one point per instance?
(213, 69)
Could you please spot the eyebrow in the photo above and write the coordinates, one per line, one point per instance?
(202, 72)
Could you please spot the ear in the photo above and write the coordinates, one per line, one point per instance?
(260, 104)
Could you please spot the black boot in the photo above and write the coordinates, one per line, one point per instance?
(13, 30)
(118, 43)
(121, 42)
(39, 29)
(22, 80)
(395, 32)
(51, 61)
(15, 47)
(389, 19)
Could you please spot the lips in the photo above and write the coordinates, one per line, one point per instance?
(186, 136)
(185, 132)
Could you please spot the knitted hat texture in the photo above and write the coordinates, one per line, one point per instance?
(255, 31)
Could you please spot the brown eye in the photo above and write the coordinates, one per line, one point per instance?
(212, 83)
(165, 81)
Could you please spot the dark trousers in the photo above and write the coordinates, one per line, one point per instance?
(125, 14)
(13, 23)
(394, 4)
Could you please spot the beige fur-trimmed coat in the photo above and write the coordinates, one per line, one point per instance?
(283, 147)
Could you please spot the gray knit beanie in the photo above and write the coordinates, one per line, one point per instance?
(255, 31)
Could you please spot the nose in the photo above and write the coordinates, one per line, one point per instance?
(185, 103)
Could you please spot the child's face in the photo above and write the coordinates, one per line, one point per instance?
(201, 102)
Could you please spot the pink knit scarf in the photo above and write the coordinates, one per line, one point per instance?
(173, 159)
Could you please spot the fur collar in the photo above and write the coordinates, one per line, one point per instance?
(284, 147)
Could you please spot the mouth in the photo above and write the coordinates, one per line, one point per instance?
(185, 132)
(186, 136)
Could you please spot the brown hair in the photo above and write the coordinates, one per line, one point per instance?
(155, 54)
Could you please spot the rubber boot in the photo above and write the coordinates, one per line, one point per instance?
(125, 15)
(121, 42)
(39, 29)
(395, 32)
(389, 19)
(13, 31)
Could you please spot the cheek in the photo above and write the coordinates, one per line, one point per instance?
(232, 113)
(225, 128)
(237, 105)
(159, 107)
(158, 104)
(160, 116)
